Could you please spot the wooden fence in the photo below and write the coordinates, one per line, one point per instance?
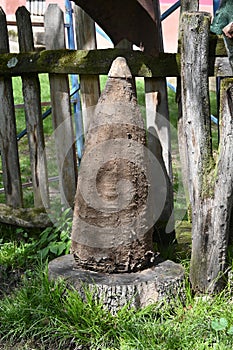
(58, 63)
(61, 117)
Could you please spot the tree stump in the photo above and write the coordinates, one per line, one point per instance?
(115, 211)
(162, 281)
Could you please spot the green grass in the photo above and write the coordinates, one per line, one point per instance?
(55, 316)
(16, 254)
(41, 314)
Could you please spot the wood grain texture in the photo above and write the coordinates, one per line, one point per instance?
(61, 110)
(159, 138)
(8, 135)
(93, 62)
(34, 124)
(186, 5)
(89, 84)
(210, 180)
(137, 290)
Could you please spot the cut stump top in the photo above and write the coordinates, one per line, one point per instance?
(139, 289)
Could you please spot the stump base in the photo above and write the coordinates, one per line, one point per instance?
(138, 289)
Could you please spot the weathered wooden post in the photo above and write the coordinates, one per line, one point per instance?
(114, 211)
(34, 123)
(8, 135)
(189, 5)
(159, 138)
(89, 84)
(210, 180)
(186, 5)
(223, 24)
(61, 109)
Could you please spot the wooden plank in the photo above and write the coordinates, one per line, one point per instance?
(24, 217)
(186, 5)
(34, 123)
(88, 62)
(61, 110)
(34, 24)
(89, 84)
(43, 104)
(159, 141)
(195, 100)
(189, 5)
(8, 135)
(222, 67)
(210, 178)
(94, 62)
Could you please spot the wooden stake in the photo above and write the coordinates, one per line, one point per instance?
(8, 135)
(61, 110)
(34, 123)
(210, 181)
(89, 84)
(159, 139)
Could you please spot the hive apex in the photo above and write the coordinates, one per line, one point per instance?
(120, 69)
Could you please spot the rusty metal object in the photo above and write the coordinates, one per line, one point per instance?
(134, 20)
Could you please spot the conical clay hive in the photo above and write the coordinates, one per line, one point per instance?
(112, 226)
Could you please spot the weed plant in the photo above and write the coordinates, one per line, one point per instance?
(55, 241)
(26, 251)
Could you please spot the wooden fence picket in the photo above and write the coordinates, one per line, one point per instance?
(58, 63)
(8, 136)
(32, 104)
(61, 109)
(89, 84)
(186, 5)
(159, 138)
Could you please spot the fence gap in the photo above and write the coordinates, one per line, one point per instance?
(8, 138)
(34, 123)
